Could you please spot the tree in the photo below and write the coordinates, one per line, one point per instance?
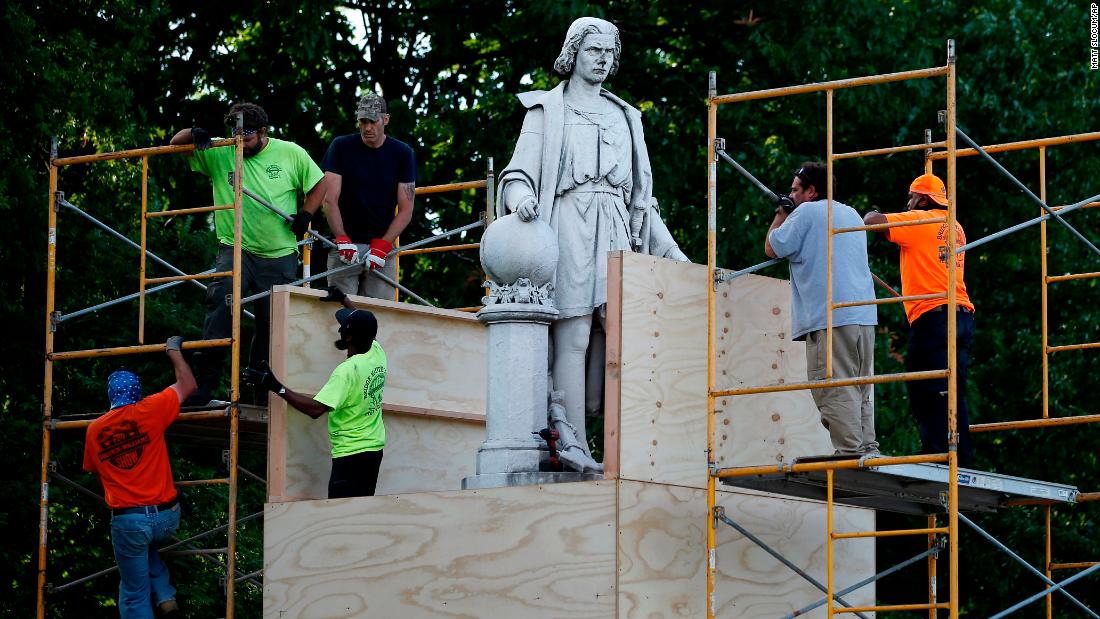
(119, 74)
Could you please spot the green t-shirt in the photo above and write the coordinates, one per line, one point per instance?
(354, 393)
(279, 174)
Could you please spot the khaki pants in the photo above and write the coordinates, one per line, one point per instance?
(359, 281)
(848, 413)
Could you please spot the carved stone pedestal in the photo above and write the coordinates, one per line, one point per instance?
(516, 401)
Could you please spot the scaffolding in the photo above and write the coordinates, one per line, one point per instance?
(233, 411)
(929, 467)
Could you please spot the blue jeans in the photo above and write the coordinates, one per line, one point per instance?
(143, 576)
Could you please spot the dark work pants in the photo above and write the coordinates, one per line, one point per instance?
(258, 274)
(928, 398)
(354, 475)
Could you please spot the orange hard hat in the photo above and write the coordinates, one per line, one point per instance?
(931, 186)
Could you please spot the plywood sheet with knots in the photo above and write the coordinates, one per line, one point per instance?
(533, 551)
(662, 553)
(660, 377)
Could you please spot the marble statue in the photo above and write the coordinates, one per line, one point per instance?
(581, 166)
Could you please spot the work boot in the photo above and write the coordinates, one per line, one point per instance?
(169, 609)
(570, 451)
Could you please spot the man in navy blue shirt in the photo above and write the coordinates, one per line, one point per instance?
(370, 179)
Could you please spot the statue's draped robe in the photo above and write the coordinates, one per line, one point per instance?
(587, 169)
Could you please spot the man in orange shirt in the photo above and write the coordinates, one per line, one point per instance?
(125, 449)
(924, 271)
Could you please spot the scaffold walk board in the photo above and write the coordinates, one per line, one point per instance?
(909, 488)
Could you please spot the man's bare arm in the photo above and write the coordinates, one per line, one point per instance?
(333, 183)
(314, 197)
(185, 383)
(183, 136)
(304, 403)
(875, 217)
(780, 217)
(406, 195)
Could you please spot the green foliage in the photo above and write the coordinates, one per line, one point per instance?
(117, 74)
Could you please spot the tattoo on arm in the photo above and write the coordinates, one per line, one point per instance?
(410, 190)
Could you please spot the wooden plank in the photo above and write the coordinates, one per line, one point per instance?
(407, 308)
(437, 370)
(277, 408)
(612, 360)
(662, 553)
(433, 413)
(662, 390)
(532, 551)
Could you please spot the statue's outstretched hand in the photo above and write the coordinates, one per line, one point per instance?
(528, 209)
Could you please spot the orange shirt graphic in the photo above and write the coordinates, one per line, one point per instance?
(924, 260)
(125, 448)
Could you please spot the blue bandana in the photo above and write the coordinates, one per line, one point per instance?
(123, 388)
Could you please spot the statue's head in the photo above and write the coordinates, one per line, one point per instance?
(579, 29)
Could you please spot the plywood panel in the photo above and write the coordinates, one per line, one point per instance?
(424, 452)
(534, 551)
(437, 357)
(436, 365)
(662, 374)
(663, 371)
(662, 553)
(427, 453)
(753, 347)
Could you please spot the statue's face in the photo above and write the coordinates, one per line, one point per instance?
(595, 58)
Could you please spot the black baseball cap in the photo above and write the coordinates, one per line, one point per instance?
(360, 323)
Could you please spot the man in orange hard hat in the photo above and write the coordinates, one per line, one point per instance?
(924, 271)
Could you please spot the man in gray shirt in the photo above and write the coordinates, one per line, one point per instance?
(799, 233)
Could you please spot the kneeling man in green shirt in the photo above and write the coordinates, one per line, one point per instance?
(352, 397)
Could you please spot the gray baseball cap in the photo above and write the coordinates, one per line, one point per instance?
(371, 107)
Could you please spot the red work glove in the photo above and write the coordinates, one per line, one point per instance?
(348, 251)
(379, 248)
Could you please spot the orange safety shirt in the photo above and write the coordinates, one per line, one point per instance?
(924, 260)
(125, 448)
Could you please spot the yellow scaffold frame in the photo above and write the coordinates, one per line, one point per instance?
(51, 423)
(950, 153)
(713, 392)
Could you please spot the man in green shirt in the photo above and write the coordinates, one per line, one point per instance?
(280, 172)
(353, 399)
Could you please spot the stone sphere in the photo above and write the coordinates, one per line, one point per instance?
(512, 248)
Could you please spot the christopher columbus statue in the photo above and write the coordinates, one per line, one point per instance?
(581, 166)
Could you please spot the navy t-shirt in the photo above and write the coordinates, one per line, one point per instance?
(368, 193)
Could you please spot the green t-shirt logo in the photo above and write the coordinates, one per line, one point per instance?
(274, 171)
(372, 390)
